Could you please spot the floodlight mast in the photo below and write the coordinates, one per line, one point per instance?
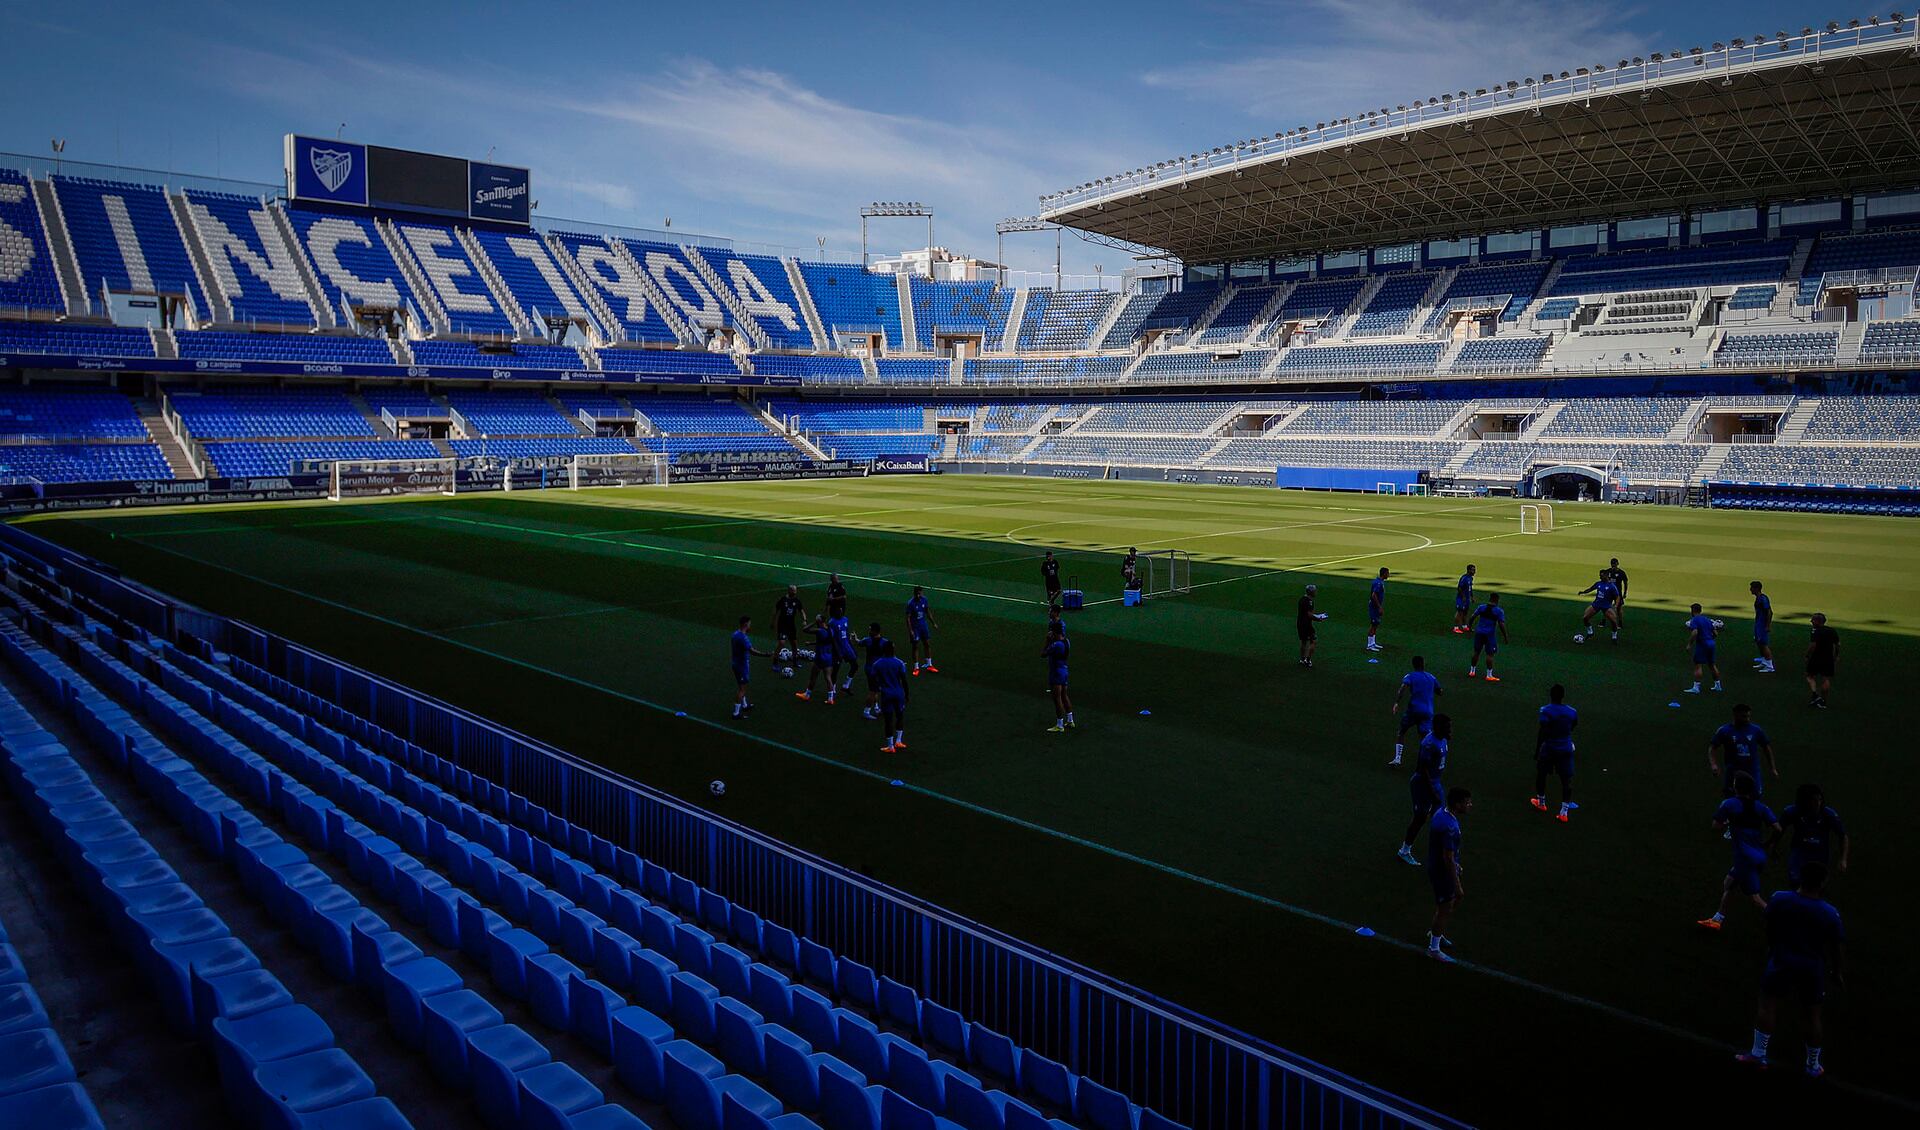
(879, 209)
(1016, 224)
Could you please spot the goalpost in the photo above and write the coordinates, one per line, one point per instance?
(1536, 518)
(359, 478)
(620, 470)
(1168, 573)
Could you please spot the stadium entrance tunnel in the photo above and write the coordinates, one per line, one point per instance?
(1569, 482)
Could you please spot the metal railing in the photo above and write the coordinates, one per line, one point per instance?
(1182, 1065)
(1629, 75)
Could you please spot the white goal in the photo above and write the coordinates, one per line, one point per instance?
(1168, 572)
(360, 478)
(621, 470)
(1536, 518)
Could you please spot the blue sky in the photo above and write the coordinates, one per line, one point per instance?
(774, 123)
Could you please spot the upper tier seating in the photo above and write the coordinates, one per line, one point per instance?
(124, 235)
(251, 457)
(677, 278)
(80, 340)
(667, 361)
(1516, 280)
(1011, 417)
(404, 403)
(869, 446)
(1753, 298)
(1667, 268)
(849, 297)
(1040, 370)
(351, 261)
(596, 404)
(252, 265)
(761, 286)
(1177, 309)
(1866, 251)
(1321, 298)
(336, 349)
(1135, 416)
(28, 280)
(457, 283)
(950, 307)
(246, 411)
(812, 369)
(617, 282)
(1805, 347)
(466, 354)
(532, 276)
(1554, 309)
(1364, 417)
(1862, 419)
(57, 411)
(1892, 342)
(1512, 354)
(1138, 308)
(1201, 366)
(1649, 419)
(1236, 317)
(1148, 451)
(1063, 319)
(1391, 310)
(1395, 357)
(82, 463)
(510, 413)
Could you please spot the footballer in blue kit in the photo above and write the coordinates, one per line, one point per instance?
(1443, 869)
(1489, 630)
(1463, 600)
(1805, 947)
(1055, 653)
(1425, 786)
(1417, 690)
(888, 676)
(1606, 602)
(826, 659)
(1743, 745)
(920, 632)
(1762, 630)
(743, 651)
(1751, 824)
(873, 644)
(1553, 751)
(1814, 832)
(1376, 607)
(843, 652)
(1701, 630)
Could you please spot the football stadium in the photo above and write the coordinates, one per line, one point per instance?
(465, 668)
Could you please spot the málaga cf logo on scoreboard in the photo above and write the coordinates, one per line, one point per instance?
(332, 166)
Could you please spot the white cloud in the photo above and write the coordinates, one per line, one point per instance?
(1339, 56)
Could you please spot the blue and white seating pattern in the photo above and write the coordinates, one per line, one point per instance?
(351, 261)
(1011, 417)
(950, 307)
(1063, 319)
(124, 236)
(57, 411)
(527, 268)
(28, 280)
(677, 278)
(616, 279)
(252, 265)
(456, 281)
(1126, 326)
(854, 299)
(759, 284)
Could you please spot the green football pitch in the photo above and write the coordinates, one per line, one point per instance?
(1221, 826)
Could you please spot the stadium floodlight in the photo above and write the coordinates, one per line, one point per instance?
(893, 209)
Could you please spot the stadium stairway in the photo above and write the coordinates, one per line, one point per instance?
(733, 1023)
(164, 437)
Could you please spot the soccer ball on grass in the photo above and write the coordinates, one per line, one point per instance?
(717, 787)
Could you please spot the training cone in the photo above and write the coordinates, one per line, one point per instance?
(1146, 714)
(896, 782)
(1365, 931)
(679, 714)
(1675, 705)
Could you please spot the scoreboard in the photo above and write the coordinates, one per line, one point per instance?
(373, 176)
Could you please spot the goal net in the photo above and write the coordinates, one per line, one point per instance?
(1165, 572)
(1536, 519)
(360, 478)
(621, 470)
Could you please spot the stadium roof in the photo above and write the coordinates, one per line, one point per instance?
(1781, 117)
